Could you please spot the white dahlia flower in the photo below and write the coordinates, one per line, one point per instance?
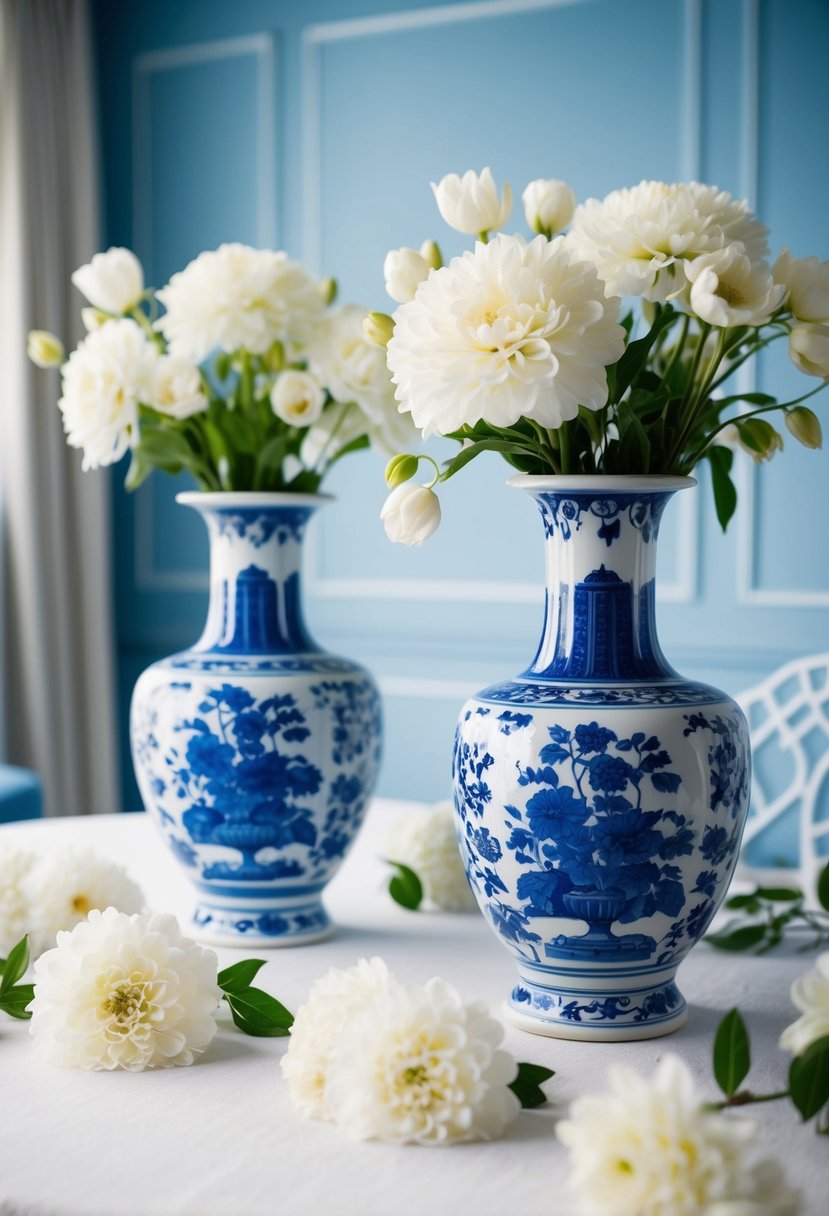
(810, 993)
(333, 999)
(638, 237)
(126, 992)
(236, 297)
(417, 1065)
(649, 1146)
(64, 886)
(470, 203)
(112, 281)
(297, 398)
(807, 286)
(176, 388)
(512, 330)
(426, 841)
(728, 289)
(15, 865)
(104, 380)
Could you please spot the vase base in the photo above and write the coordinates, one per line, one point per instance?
(598, 1015)
(266, 928)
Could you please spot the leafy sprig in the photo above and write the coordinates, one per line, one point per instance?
(15, 997)
(405, 887)
(767, 915)
(254, 1011)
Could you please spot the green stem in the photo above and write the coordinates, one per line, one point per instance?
(761, 409)
(678, 349)
(564, 446)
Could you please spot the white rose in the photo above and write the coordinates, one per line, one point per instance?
(112, 281)
(176, 388)
(44, 349)
(410, 514)
(404, 270)
(807, 285)
(728, 289)
(548, 205)
(809, 349)
(810, 993)
(297, 398)
(470, 203)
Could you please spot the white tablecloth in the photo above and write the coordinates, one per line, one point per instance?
(221, 1138)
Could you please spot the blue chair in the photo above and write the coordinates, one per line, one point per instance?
(21, 796)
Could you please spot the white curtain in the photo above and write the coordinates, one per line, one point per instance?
(58, 684)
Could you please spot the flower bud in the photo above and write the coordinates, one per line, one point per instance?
(399, 469)
(758, 438)
(404, 270)
(378, 327)
(93, 319)
(112, 281)
(297, 398)
(328, 291)
(45, 349)
(430, 252)
(548, 205)
(809, 349)
(807, 286)
(470, 203)
(410, 514)
(804, 424)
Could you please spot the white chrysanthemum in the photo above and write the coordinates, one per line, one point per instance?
(176, 388)
(649, 1146)
(512, 330)
(807, 286)
(124, 992)
(104, 379)
(333, 999)
(427, 842)
(810, 994)
(236, 297)
(728, 289)
(15, 865)
(353, 369)
(64, 886)
(638, 237)
(417, 1065)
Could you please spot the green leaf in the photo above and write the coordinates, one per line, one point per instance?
(823, 887)
(356, 445)
(138, 471)
(527, 1085)
(2, 965)
(732, 1053)
(779, 895)
(14, 1001)
(634, 445)
(743, 938)
(260, 1014)
(451, 467)
(635, 358)
(240, 976)
(16, 964)
(725, 492)
(405, 887)
(749, 901)
(809, 1078)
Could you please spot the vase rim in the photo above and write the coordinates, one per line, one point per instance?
(623, 482)
(218, 499)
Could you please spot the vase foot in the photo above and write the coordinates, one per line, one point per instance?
(599, 1015)
(266, 927)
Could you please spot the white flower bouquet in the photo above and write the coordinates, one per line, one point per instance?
(523, 348)
(248, 380)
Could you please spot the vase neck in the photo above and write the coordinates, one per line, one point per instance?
(255, 578)
(599, 620)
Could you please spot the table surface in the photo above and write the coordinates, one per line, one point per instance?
(221, 1138)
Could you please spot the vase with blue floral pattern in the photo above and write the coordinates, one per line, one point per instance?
(256, 751)
(600, 796)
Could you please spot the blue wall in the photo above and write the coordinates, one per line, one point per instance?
(316, 127)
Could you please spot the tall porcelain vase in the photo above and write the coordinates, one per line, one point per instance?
(600, 796)
(255, 751)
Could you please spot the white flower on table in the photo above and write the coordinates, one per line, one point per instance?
(125, 992)
(728, 289)
(236, 296)
(61, 888)
(810, 994)
(106, 377)
(176, 388)
(411, 514)
(426, 841)
(15, 866)
(297, 398)
(649, 1147)
(113, 281)
(470, 204)
(513, 330)
(548, 205)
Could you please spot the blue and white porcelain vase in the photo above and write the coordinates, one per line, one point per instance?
(255, 751)
(600, 796)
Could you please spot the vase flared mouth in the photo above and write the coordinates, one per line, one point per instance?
(233, 500)
(628, 483)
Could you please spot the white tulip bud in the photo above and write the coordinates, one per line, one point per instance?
(297, 398)
(809, 349)
(410, 514)
(378, 327)
(404, 270)
(112, 281)
(399, 469)
(45, 349)
(328, 291)
(470, 203)
(93, 319)
(430, 252)
(548, 205)
(804, 424)
(758, 438)
(807, 286)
